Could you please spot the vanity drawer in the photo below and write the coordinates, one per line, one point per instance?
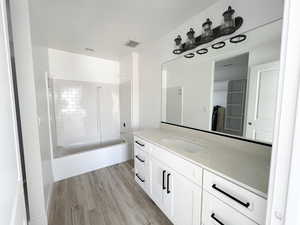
(140, 156)
(237, 197)
(141, 167)
(140, 177)
(215, 212)
(141, 144)
(142, 173)
(182, 166)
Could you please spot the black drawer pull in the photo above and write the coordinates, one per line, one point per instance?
(216, 219)
(139, 178)
(140, 144)
(214, 186)
(163, 180)
(139, 159)
(168, 183)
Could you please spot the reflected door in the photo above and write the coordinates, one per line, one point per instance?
(262, 101)
(174, 105)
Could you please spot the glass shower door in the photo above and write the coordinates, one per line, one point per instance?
(77, 112)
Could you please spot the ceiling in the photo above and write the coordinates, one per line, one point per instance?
(106, 25)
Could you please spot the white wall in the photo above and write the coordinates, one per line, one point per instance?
(40, 60)
(41, 69)
(152, 55)
(195, 78)
(29, 109)
(129, 97)
(71, 66)
(129, 73)
(125, 106)
(105, 73)
(126, 70)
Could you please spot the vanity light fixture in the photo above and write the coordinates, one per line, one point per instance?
(208, 33)
(190, 43)
(189, 55)
(229, 25)
(238, 38)
(218, 45)
(178, 46)
(202, 51)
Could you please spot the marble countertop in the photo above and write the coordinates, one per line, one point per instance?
(246, 165)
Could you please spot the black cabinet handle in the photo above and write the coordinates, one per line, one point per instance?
(140, 144)
(214, 186)
(168, 183)
(163, 180)
(139, 159)
(216, 219)
(139, 178)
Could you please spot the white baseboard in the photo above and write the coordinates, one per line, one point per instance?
(38, 221)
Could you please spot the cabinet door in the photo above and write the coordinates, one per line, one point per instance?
(168, 194)
(157, 181)
(186, 201)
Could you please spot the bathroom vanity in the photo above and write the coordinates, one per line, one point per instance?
(209, 162)
(202, 178)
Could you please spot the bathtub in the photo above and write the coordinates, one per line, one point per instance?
(76, 160)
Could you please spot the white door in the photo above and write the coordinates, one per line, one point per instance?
(12, 207)
(174, 105)
(186, 201)
(262, 101)
(158, 181)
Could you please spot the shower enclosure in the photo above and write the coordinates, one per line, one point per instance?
(84, 115)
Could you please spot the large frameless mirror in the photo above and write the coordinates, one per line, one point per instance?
(229, 88)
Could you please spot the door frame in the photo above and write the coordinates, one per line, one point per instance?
(19, 211)
(283, 206)
(6, 13)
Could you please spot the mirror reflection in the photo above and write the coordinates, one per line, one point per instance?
(231, 90)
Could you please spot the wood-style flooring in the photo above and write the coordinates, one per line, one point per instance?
(108, 196)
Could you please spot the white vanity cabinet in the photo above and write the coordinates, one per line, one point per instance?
(178, 196)
(191, 195)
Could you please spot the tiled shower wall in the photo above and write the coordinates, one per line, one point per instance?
(85, 112)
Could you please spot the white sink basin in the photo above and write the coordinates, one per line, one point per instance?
(182, 145)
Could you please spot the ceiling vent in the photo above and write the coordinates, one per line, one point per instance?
(89, 49)
(132, 44)
(228, 65)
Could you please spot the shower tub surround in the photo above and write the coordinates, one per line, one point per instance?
(79, 160)
(85, 127)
